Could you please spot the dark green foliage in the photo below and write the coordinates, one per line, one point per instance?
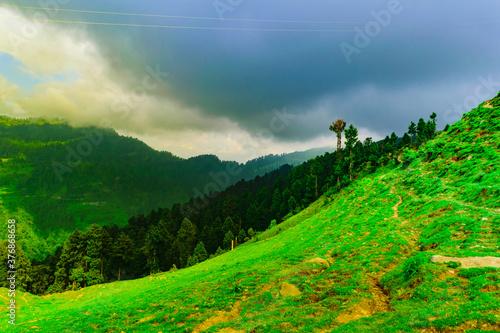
(200, 253)
(219, 251)
(406, 141)
(122, 250)
(187, 240)
(241, 236)
(192, 260)
(228, 238)
(412, 130)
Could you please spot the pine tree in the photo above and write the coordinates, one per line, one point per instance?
(421, 130)
(412, 130)
(430, 128)
(351, 136)
(219, 251)
(200, 252)
(292, 204)
(72, 258)
(24, 270)
(405, 141)
(251, 233)
(241, 236)
(187, 240)
(122, 249)
(98, 247)
(192, 260)
(276, 204)
(228, 238)
(433, 117)
(228, 225)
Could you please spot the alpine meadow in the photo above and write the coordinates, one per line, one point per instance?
(249, 167)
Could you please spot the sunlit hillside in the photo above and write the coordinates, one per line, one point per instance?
(362, 260)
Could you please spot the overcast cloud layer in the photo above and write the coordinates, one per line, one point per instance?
(244, 93)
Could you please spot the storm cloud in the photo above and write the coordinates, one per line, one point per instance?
(376, 64)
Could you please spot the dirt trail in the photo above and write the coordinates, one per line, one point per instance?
(368, 307)
(221, 317)
(395, 208)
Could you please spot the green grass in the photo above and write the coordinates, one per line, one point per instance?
(378, 235)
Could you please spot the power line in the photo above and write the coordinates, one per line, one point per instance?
(175, 16)
(225, 19)
(177, 26)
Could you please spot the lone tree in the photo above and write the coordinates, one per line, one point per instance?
(338, 127)
(412, 130)
(351, 136)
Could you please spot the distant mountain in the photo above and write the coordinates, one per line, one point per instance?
(68, 178)
(271, 162)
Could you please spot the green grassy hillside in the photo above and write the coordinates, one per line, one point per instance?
(358, 261)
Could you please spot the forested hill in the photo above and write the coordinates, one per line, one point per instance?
(189, 232)
(79, 176)
(411, 244)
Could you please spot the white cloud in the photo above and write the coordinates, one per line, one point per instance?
(98, 93)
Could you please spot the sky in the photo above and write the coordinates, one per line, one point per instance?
(246, 78)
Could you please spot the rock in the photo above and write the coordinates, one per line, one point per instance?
(469, 262)
(288, 289)
(320, 261)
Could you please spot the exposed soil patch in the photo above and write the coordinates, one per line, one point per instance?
(221, 317)
(229, 330)
(382, 301)
(469, 262)
(367, 307)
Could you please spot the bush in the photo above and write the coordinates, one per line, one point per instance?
(272, 224)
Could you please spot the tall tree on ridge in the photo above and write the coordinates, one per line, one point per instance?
(351, 136)
(338, 127)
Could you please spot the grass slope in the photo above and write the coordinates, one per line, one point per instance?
(370, 247)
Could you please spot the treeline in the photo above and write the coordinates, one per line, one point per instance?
(65, 166)
(206, 226)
